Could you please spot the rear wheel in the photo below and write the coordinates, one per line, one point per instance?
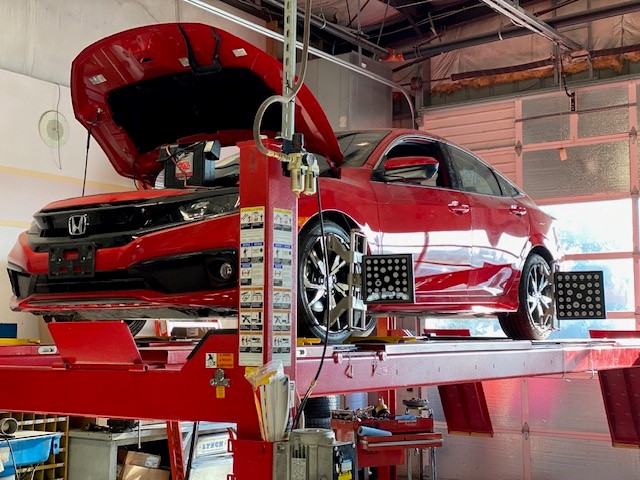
(313, 300)
(534, 318)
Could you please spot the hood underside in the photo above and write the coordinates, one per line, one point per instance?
(175, 83)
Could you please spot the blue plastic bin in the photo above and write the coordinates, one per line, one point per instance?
(29, 448)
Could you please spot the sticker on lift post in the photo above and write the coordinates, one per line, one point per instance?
(219, 360)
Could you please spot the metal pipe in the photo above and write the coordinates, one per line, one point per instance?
(289, 69)
(559, 22)
(314, 51)
(529, 21)
(8, 426)
(338, 31)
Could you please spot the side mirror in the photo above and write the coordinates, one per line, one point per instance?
(417, 167)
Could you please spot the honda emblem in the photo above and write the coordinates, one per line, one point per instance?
(78, 224)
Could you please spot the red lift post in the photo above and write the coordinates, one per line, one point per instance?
(97, 362)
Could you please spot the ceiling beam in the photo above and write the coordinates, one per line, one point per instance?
(590, 15)
(523, 18)
(336, 30)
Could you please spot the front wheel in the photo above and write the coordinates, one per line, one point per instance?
(534, 318)
(313, 300)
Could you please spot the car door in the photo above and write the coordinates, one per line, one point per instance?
(499, 222)
(427, 218)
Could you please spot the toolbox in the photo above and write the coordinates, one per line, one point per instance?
(379, 451)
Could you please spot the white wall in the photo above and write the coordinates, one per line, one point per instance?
(38, 41)
(30, 173)
(40, 38)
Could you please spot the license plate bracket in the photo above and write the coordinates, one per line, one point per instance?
(77, 261)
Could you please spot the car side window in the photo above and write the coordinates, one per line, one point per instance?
(508, 190)
(473, 175)
(436, 176)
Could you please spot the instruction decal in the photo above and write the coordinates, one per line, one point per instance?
(283, 231)
(252, 271)
(251, 348)
(252, 246)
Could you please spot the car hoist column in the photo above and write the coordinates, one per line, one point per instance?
(268, 262)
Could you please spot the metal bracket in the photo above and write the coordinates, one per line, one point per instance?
(352, 303)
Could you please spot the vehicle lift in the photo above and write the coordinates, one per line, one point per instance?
(93, 363)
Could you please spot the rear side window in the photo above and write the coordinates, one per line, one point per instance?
(508, 190)
(474, 176)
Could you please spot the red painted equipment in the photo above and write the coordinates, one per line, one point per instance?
(388, 450)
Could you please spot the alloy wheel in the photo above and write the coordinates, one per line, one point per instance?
(315, 270)
(540, 296)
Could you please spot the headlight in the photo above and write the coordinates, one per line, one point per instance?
(34, 228)
(206, 207)
(196, 210)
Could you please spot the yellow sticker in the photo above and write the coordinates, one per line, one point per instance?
(225, 360)
(249, 370)
(220, 392)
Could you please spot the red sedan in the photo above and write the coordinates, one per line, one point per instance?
(479, 244)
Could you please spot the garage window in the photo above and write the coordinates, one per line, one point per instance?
(594, 227)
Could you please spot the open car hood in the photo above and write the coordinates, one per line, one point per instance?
(176, 83)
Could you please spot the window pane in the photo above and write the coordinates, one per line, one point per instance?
(618, 281)
(490, 327)
(602, 98)
(475, 176)
(579, 233)
(547, 129)
(603, 122)
(580, 328)
(588, 169)
(508, 190)
(477, 326)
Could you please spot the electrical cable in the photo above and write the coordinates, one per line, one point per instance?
(58, 128)
(563, 79)
(13, 456)
(384, 18)
(325, 255)
(192, 448)
(86, 158)
(175, 162)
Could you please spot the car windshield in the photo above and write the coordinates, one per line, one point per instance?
(355, 146)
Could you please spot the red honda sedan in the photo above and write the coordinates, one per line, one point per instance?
(480, 245)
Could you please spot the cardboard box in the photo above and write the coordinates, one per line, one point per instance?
(142, 459)
(135, 472)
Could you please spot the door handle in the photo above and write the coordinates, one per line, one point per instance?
(518, 210)
(459, 208)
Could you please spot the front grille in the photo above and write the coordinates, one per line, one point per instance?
(115, 225)
(172, 275)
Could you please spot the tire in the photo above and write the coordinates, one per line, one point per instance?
(534, 318)
(312, 297)
(317, 411)
(320, 407)
(317, 423)
(135, 326)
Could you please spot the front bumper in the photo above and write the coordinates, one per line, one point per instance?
(173, 272)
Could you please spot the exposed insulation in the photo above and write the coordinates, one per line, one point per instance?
(614, 62)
